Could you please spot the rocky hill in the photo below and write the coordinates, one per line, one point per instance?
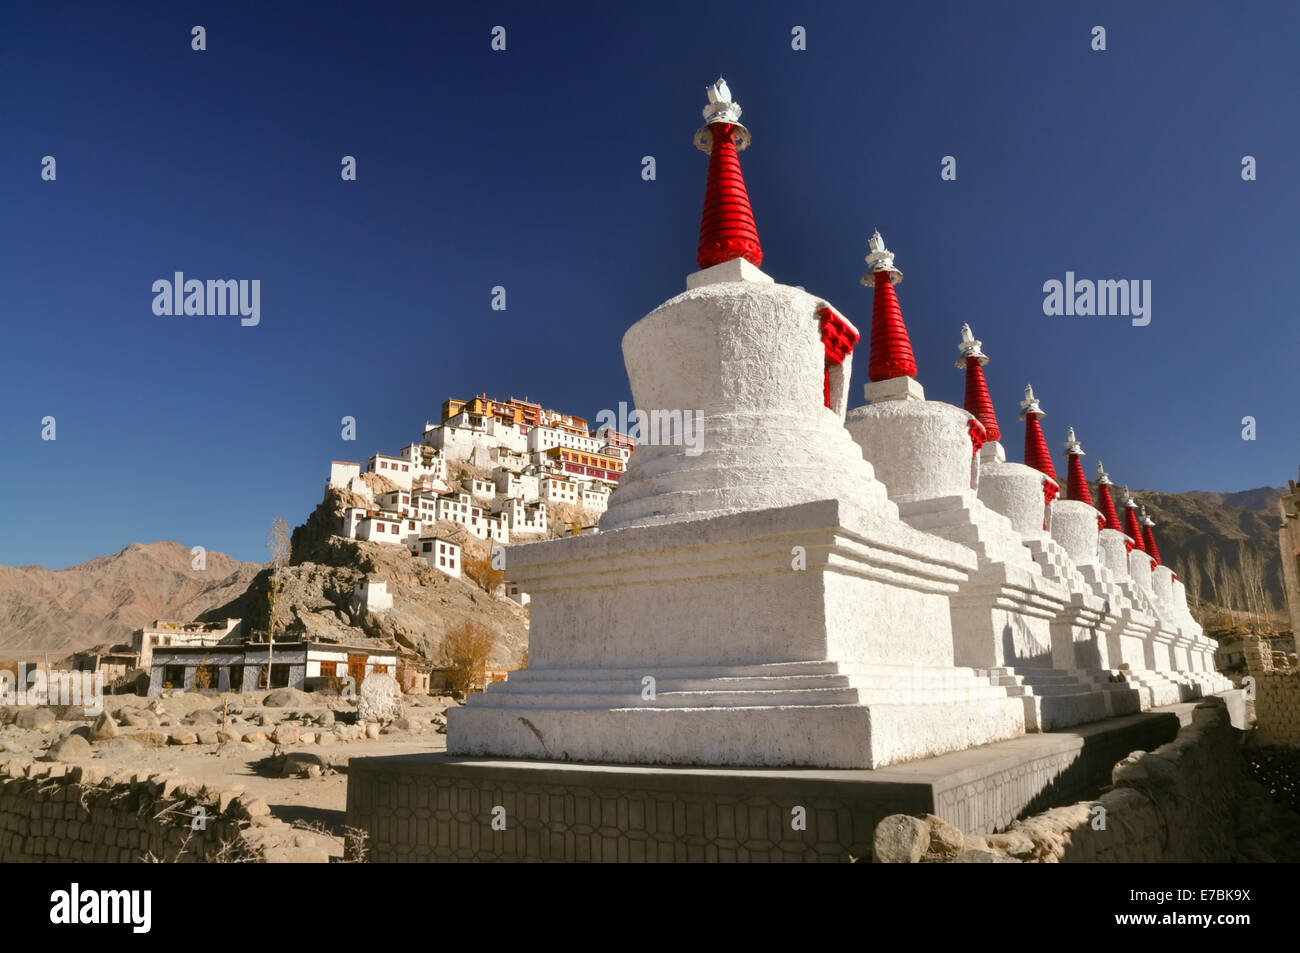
(318, 587)
(1197, 528)
(105, 599)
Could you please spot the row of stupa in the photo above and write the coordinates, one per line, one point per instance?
(894, 590)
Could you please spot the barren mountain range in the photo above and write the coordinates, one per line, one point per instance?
(103, 600)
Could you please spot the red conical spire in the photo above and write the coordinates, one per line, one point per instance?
(1149, 537)
(978, 402)
(727, 229)
(1131, 528)
(1036, 453)
(1077, 486)
(890, 353)
(1107, 506)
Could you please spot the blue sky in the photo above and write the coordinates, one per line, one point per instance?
(523, 169)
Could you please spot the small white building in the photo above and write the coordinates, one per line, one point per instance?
(517, 484)
(425, 461)
(461, 508)
(342, 473)
(554, 489)
(396, 469)
(594, 497)
(384, 527)
(521, 517)
(397, 501)
(541, 439)
(479, 489)
(371, 595)
(167, 633)
(441, 553)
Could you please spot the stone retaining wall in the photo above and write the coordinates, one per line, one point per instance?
(1179, 802)
(1277, 708)
(54, 812)
(1277, 693)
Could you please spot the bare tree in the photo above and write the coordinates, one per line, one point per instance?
(1231, 587)
(1192, 579)
(477, 565)
(278, 545)
(1212, 570)
(1252, 571)
(464, 652)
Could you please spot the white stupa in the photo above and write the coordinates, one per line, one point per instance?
(757, 603)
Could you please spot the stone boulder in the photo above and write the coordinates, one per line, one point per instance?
(901, 839)
(285, 735)
(120, 747)
(71, 748)
(104, 728)
(380, 699)
(285, 698)
(295, 764)
(34, 719)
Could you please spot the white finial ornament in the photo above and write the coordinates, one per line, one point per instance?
(1030, 404)
(880, 259)
(1103, 478)
(1126, 498)
(969, 347)
(1072, 445)
(721, 108)
(1143, 519)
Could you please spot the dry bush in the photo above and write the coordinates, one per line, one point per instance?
(477, 565)
(464, 654)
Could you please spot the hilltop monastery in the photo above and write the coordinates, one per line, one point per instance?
(537, 458)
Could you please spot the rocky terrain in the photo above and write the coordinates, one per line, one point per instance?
(285, 749)
(318, 586)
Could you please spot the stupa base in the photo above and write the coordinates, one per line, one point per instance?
(782, 715)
